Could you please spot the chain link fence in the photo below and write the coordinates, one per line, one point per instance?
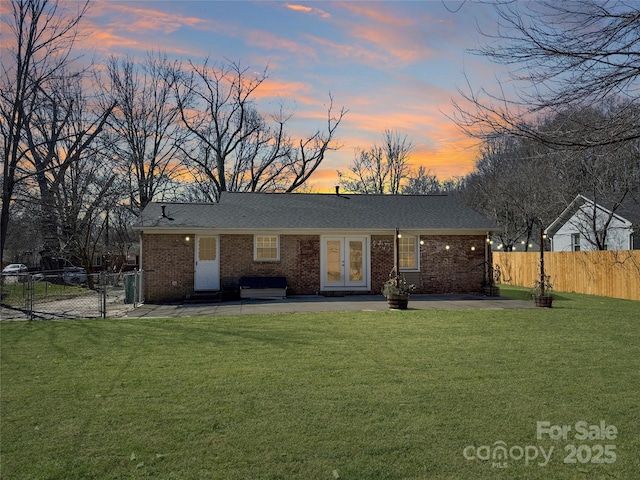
(70, 294)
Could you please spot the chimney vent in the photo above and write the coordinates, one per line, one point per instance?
(164, 213)
(337, 189)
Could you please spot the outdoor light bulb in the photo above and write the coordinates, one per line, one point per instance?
(447, 247)
(421, 242)
(522, 242)
(491, 242)
(187, 238)
(513, 249)
(399, 235)
(473, 249)
(530, 245)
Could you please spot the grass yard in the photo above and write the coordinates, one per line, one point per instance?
(365, 395)
(14, 293)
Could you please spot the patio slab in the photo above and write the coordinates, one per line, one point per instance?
(317, 303)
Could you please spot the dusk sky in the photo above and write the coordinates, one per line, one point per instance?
(393, 65)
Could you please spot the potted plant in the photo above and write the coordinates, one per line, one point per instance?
(397, 291)
(541, 292)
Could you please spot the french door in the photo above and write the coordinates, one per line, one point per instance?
(345, 263)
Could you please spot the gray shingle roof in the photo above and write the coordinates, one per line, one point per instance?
(253, 211)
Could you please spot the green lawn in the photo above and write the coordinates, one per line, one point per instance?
(14, 294)
(364, 395)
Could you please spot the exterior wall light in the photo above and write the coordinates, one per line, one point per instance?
(447, 247)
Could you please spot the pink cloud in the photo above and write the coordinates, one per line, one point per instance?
(137, 18)
(266, 40)
(306, 9)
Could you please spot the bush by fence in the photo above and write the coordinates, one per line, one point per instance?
(611, 273)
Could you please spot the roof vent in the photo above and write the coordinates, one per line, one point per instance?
(164, 212)
(337, 189)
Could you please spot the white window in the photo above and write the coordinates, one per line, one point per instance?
(575, 242)
(266, 248)
(408, 252)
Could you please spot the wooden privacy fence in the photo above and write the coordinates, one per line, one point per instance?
(611, 273)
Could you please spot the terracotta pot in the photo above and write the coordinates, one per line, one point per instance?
(398, 301)
(542, 300)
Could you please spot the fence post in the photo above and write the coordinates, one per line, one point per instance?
(28, 295)
(103, 294)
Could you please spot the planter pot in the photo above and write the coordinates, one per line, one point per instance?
(492, 291)
(543, 300)
(398, 301)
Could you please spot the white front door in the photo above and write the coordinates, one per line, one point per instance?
(345, 262)
(207, 274)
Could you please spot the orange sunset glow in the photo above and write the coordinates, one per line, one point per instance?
(390, 65)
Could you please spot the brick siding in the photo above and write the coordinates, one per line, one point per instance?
(168, 261)
(299, 261)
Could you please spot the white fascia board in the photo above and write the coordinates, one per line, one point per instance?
(328, 231)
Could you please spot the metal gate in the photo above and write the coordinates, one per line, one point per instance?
(57, 295)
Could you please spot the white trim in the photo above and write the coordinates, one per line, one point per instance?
(255, 247)
(304, 231)
(366, 261)
(416, 244)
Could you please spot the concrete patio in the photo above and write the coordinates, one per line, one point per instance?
(316, 303)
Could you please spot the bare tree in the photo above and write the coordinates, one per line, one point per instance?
(425, 182)
(514, 184)
(61, 141)
(36, 47)
(146, 125)
(379, 169)
(563, 56)
(233, 147)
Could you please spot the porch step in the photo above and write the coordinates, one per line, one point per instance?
(204, 297)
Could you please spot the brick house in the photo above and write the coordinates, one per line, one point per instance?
(322, 243)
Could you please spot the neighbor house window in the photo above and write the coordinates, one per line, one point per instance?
(575, 242)
(408, 252)
(97, 261)
(266, 248)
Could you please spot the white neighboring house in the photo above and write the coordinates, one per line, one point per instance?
(586, 225)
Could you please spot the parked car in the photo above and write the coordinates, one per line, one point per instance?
(74, 275)
(14, 269)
